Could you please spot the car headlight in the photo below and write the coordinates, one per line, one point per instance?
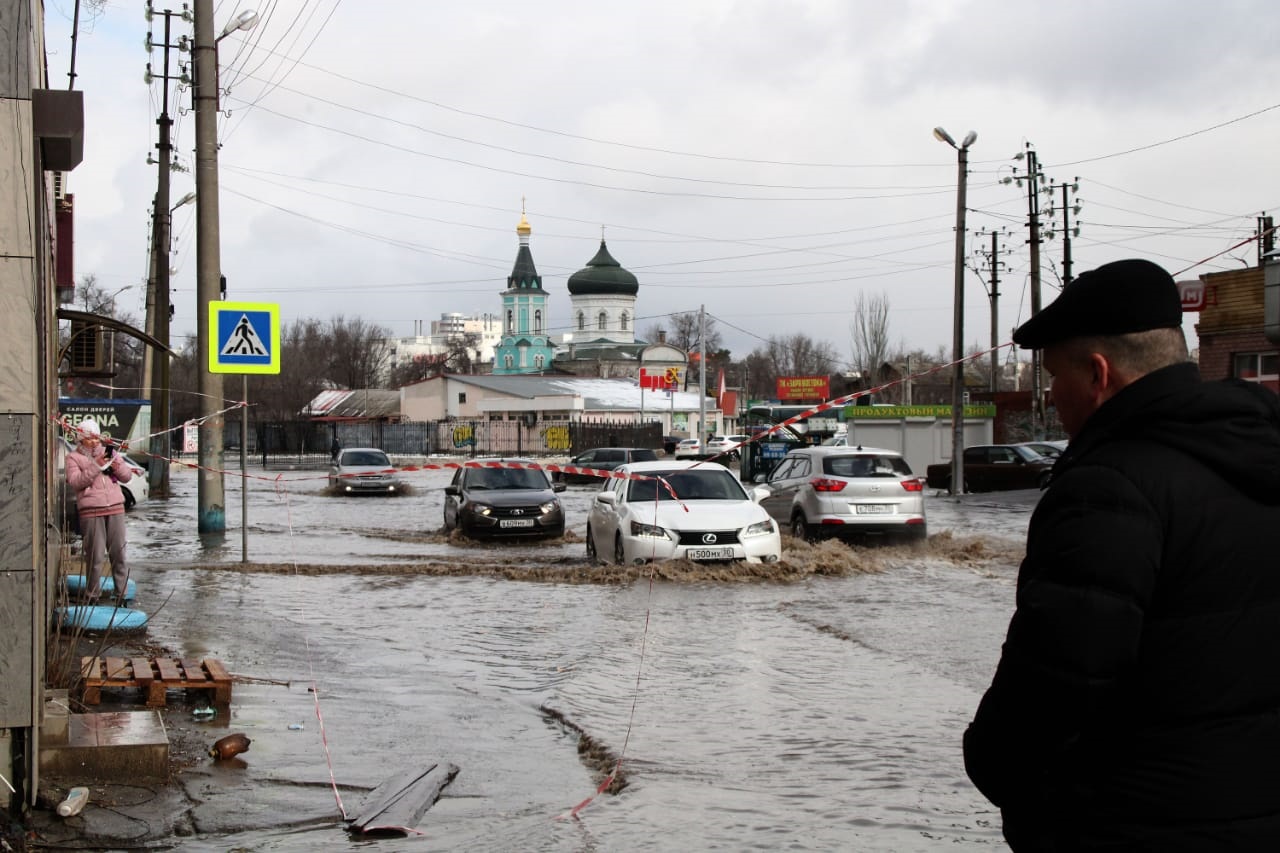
(549, 506)
(760, 528)
(481, 509)
(651, 530)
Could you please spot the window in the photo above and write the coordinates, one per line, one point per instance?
(1257, 367)
(508, 361)
(582, 322)
(602, 322)
(462, 397)
(537, 322)
(537, 361)
(511, 321)
(622, 321)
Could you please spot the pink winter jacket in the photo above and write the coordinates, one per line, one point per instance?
(96, 493)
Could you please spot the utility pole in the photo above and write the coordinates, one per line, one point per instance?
(1034, 178)
(1068, 231)
(994, 264)
(211, 512)
(702, 379)
(158, 296)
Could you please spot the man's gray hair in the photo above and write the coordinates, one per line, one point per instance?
(1137, 353)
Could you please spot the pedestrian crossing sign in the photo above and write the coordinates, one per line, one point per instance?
(244, 337)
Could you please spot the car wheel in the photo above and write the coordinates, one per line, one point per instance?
(800, 528)
(619, 553)
(592, 556)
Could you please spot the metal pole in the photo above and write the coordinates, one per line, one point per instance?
(957, 339)
(161, 451)
(244, 469)
(1066, 236)
(702, 379)
(1033, 211)
(211, 515)
(995, 310)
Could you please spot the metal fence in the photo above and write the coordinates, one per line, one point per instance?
(310, 443)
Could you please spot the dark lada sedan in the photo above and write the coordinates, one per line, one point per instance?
(501, 499)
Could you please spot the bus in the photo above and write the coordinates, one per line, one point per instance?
(761, 456)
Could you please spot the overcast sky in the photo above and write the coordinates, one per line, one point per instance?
(769, 160)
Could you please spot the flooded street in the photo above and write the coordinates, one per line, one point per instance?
(817, 705)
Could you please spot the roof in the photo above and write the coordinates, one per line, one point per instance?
(603, 276)
(596, 394)
(362, 403)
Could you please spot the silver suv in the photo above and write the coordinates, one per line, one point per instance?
(847, 492)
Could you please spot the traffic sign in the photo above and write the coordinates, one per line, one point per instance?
(244, 337)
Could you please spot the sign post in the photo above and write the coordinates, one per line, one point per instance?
(244, 338)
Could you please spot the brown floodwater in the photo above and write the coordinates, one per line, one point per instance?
(816, 704)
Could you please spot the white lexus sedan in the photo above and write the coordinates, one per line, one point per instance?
(680, 510)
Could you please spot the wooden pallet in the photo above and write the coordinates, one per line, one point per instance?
(156, 676)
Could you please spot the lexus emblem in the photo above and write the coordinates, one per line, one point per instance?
(875, 488)
(517, 511)
(708, 539)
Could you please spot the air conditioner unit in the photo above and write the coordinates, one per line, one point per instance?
(86, 347)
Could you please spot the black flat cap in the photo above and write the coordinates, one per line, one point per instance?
(1114, 299)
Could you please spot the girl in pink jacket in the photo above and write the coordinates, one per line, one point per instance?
(95, 477)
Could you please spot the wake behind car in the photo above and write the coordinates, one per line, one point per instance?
(364, 471)
(603, 459)
(500, 498)
(670, 510)
(847, 492)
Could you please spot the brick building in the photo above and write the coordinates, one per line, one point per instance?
(1232, 343)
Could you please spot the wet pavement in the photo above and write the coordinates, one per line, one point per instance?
(814, 705)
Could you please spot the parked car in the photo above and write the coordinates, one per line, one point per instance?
(502, 499)
(848, 493)
(1047, 449)
(689, 448)
(726, 445)
(995, 467)
(364, 471)
(694, 512)
(603, 459)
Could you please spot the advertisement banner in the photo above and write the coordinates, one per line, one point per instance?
(120, 420)
(972, 410)
(804, 387)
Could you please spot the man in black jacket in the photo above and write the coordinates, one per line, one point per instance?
(1136, 705)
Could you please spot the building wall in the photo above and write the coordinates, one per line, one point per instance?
(1231, 322)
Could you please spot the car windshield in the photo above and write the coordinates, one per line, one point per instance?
(506, 478)
(866, 465)
(365, 457)
(690, 485)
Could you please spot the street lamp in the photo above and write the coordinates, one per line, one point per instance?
(211, 511)
(957, 337)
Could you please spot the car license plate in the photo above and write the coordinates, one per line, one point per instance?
(710, 554)
(873, 509)
(516, 522)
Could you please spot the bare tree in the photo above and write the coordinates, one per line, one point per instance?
(789, 355)
(682, 332)
(358, 351)
(869, 334)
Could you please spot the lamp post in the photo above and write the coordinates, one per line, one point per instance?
(211, 513)
(957, 338)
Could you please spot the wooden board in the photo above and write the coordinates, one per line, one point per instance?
(156, 676)
(100, 618)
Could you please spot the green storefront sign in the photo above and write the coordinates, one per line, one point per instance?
(881, 413)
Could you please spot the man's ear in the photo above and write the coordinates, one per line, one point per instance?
(1102, 376)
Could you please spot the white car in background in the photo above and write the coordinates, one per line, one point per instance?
(689, 448)
(680, 511)
(728, 446)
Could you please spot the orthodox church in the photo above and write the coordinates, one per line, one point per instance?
(601, 339)
(526, 346)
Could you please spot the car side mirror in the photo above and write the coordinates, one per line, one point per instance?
(761, 477)
(452, 490)
(558, 487)
(758, 494)
(607, 497)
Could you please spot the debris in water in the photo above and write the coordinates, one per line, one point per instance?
(231, 745)
(75, 802)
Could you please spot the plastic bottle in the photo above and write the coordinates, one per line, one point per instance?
(74, 803)
(295, 727)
